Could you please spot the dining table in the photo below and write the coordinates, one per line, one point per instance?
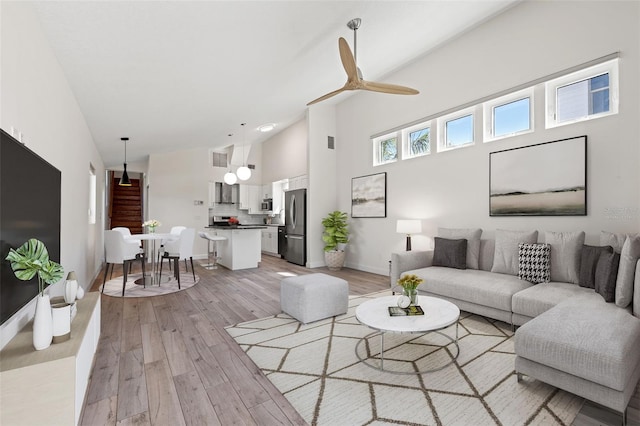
(153, 277)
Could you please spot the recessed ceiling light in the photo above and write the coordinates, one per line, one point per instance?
(267, 127)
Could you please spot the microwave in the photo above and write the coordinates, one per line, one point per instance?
(267, 204)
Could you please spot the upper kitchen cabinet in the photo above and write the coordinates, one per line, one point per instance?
(243, 197)
(267, 190)
(298, 182)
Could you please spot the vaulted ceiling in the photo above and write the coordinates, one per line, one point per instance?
(174, 75)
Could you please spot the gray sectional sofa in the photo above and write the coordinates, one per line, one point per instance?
(569, 336)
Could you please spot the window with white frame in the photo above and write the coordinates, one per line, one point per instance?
(456, 130)
(583, 95)
(92, 194)
(508, 115)
(416, 140)
(385, 149)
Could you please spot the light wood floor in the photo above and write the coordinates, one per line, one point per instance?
(166, 360)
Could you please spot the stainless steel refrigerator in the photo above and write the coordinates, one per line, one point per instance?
(295, 222)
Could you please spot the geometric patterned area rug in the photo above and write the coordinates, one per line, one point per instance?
(316, 368)
(114, 286)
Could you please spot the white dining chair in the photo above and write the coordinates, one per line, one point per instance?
(175, 230)
(120, 251)
(182, 248)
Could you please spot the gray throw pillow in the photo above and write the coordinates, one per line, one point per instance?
(605, 276)
(450, 253)
(589, 258)
(533, 263)
(626, 271)
(505, 258)
(565, 255)
(473, 242)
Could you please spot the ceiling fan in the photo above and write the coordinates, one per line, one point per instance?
(354, 75)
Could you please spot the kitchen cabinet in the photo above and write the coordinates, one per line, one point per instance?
(267, 190)
(255, 199)
(278, 197)
(212, 194)
(243, 197)
(298, 182)
(269, 243)
(241, 249)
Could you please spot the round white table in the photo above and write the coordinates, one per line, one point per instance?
(438, 314)
(153, 277)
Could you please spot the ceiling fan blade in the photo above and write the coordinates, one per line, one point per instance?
(327, 96)
(348, 61)
(387, 88)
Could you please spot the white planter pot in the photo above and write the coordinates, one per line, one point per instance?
(334, 259)
(42, 323)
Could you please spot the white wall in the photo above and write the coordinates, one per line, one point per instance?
(37, 101)
(321, 195)
(285, 154)
(450, 189)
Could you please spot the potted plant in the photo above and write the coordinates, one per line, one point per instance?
(335, 237)
(29, 260)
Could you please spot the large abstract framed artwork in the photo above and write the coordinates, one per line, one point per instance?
(547, 179)
(369, 196)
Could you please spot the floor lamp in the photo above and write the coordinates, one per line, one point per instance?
(408, 227)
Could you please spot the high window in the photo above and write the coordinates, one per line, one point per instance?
(583, 95)
(508, 115)
(456, 130)
(416, 141)
(385, 149)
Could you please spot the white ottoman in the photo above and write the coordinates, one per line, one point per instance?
(313, 297)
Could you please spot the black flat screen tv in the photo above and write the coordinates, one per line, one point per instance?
(29, 208)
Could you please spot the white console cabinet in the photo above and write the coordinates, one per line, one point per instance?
(48, 387)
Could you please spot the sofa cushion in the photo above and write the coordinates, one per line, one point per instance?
(505, 258)
(563, 338)
(589, 257)
(626, 271)
(487, 249)
(450, 253)
(539, 298)
(473, 242)
(534, 263)
(605, 277)
(565, 255)
(615, 240)
(474, 286)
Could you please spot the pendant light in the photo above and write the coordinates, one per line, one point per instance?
(124, 180)
(230, 178)
(243, 171)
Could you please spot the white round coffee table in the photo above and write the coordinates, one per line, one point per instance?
(438, 314)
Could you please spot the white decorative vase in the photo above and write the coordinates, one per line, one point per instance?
(80, 292)
(71, 288)
(334, 259)
(61, 313)
(42, 323)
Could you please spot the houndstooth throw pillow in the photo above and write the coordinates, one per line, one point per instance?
(534, 262)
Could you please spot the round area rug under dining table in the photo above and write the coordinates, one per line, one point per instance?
(113, 287)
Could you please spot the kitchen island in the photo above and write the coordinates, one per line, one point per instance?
(241, 250)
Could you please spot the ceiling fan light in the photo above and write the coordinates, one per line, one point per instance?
(230, 178)
(267, 127)
(243, 173)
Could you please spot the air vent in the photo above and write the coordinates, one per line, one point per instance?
(251, 166)
(331, 142)
(219, 159)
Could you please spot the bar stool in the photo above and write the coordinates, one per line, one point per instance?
(212, 238)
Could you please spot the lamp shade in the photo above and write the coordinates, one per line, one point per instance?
(243, 172)
(408, 226)
(230, 178)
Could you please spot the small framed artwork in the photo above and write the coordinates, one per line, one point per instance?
(547, 179)
(369, 196)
